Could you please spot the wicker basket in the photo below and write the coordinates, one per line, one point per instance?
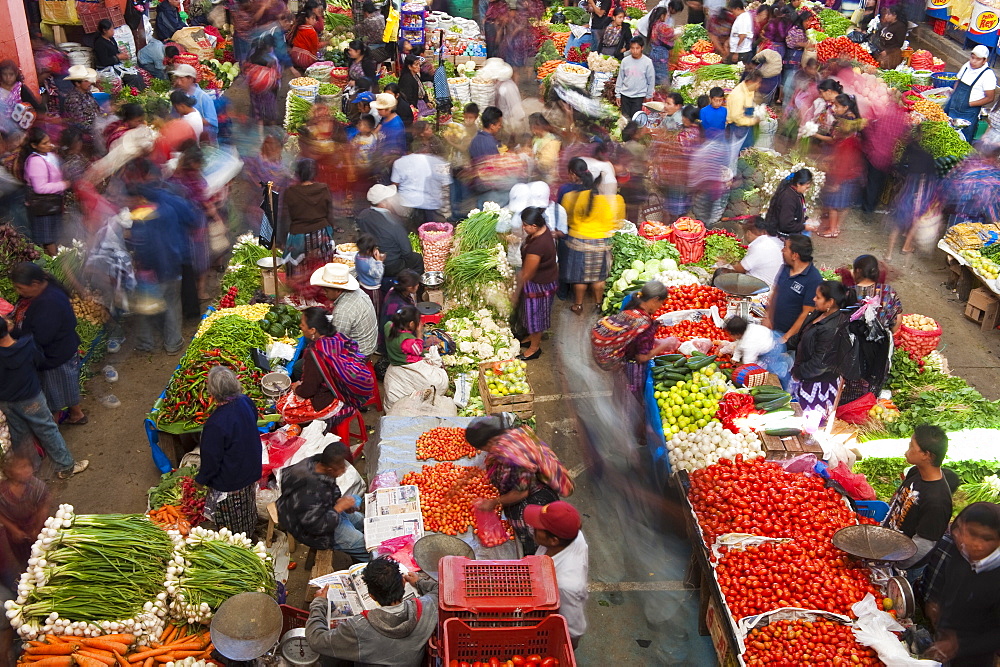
(523, 405)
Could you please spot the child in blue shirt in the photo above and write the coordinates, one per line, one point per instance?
(713, 116)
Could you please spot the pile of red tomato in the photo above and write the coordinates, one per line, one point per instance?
(533, 660)
(760, 498)
(447, 492)
(795, 642)
(444, 443)
(686, 330)
(842, 47)
(692, 297)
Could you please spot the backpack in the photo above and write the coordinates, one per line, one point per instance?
(864, 349)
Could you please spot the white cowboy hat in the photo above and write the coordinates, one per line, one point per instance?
(184, 70)
(334, 276)
(384, 101)
(378, 193)
(82, 73)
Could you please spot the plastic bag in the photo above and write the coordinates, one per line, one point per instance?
(856, 412)
(280, 448)
(489, 528)
(400, 549)
(695, 344)
(801, 463)
(874, 629)
(384, 480)
(855, 484)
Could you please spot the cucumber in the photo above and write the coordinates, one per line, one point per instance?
(768, 406)
(667, 359)
(766, 389)
(681, 363)
(674, 377)
(699, 362)
(783, 432)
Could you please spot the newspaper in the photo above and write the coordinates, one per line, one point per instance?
(347, 594)
(392, 512)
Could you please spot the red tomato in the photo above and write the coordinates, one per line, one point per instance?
(517, 659)
(549, 661)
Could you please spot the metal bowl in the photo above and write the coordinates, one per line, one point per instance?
(275, 384)
(432, 278)
(246, 626)
(431, 548)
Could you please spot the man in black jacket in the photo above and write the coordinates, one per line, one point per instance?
(312, 510)
(23, 403)
(392, 238)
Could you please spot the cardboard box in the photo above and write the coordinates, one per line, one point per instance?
(983, 308)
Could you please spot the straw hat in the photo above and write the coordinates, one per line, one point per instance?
(82, 73)
(384, 101)
(334, 276)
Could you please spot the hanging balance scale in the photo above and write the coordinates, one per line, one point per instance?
(295, 649)
(882, 547)
(741, 287)
(246, 626)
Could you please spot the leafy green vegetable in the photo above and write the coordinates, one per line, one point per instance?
(329, 89)
(834, 23)
(883, 474)
(692, 33)
(415, 242)
(246, 278)
(720, 71)
(168, 491)
(720, 246)
(477, 232)
(972, 472)
(634, 13)
(297, 113)
(338, 22)
(940, 139)
(576, 15)
(986, 491)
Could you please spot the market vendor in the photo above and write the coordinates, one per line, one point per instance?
(763, 259)
(522, 468)
(741, 108)
(353, 312)
(975, 88)
(231, 454)
(558, 534)
(921, 507)
(312, 509)
(185, 78)
(627, 339)
(786, 212)
(388, 230)
(395, 633)
(892, 36)
(962, 587)
(791, 298)
(108, 55)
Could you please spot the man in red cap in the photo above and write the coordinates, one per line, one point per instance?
(557, 533)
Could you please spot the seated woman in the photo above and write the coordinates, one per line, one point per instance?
(336, 380)
(408, 370)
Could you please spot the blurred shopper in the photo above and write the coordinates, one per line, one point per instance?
(305, 221)
(41, 170)
(389, 233)
(537, 280)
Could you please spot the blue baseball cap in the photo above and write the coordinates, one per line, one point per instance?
(363, 97)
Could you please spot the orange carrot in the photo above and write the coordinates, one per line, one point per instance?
(166, 657)
(149, 662)
(168, 633)
(36, 643)
(187, 645)
(105, 658)
(110, 647)
(50, 649)
(87, 661)
(55, 661)
(121, 638)
(53, 639)
(122, 662)
(152, 653)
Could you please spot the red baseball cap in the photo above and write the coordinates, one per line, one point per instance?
(559, 518)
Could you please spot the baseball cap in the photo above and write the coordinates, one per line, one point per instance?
(378, 193)
(981, 52)
(363, 97)
(184, 70)
(559, 518)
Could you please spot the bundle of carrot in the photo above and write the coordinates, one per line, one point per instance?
(170, 517)
(548, 67)
(175, 644)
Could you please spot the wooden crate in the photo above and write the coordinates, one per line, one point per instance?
(523, 405)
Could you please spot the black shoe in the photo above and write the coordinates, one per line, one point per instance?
(537, 354)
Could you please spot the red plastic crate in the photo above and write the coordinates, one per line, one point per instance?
(491, 593)
(468, 644)
(292, 617)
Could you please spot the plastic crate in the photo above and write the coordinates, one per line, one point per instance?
(461, 642)
(292, 617)
(873, 509)
(496, 593)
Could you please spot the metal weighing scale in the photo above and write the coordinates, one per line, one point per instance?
(430, 549)
(882, 546)
(434, 282)
(742, 287)
(248, 626)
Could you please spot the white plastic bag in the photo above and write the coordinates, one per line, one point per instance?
(874, 629)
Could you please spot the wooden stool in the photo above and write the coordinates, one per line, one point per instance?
(318, 562)
(272, 523)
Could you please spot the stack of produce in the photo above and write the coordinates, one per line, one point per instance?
(687, 390)
(626, 251)
(282, 322)
(176, 503)
(984, 266)
(447, 492)
(208, 567)
(251, 313)
(842, 47)
(759, 173)
(690, 330)
(834, 23)
(793, 641)
(919, 335)
(478, 273)
(759, 498)
(91, 575)
(940, 139)
(14, 249)
(507, 378)
(444, 443)
(243, 272)
(693, 297)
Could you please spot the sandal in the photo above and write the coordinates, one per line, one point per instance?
(830, 235)
(577, 308)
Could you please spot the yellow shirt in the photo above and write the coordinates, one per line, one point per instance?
(602, 219)
(739, 99)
